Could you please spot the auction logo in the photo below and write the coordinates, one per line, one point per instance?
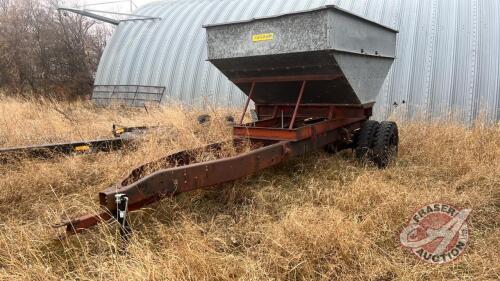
(437, 233)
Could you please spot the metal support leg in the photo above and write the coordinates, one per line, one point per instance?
(121, 215)
(247, 103)
(298, 104)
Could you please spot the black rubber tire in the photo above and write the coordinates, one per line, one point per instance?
(229, 120)
(203, 119)
(385, 146)
(330, 149)
(364, 140)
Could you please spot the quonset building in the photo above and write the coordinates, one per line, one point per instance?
(448, 55)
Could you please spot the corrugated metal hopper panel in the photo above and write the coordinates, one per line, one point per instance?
(354, 52)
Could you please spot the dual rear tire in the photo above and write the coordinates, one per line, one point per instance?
(377, 142)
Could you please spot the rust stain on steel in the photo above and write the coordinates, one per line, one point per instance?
(186, 178)
(321, 119)
(299, 100)
(79, 224)
(294, 134)
(181, 179)
(47, 151)
(312, 110)
(247, 103)
(321, 77)
(51, 150)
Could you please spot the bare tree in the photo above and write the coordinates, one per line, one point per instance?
(45, 52)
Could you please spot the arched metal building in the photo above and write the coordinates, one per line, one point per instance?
(448, 54)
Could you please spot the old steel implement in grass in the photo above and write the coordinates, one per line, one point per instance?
(313, 77)
(121, 136)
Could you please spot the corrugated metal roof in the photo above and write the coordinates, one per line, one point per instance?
(448, 53)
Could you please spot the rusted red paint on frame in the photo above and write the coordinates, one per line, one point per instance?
(284, 131)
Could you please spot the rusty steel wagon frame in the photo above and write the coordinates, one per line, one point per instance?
(298, 130)
(313, 77)
(122, 136)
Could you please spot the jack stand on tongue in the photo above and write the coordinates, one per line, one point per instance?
(121, 216)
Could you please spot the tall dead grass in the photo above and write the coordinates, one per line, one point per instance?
(318, 217)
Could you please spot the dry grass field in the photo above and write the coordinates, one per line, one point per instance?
(320, 217)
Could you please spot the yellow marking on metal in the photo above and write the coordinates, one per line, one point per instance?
(119, 131)
(82, 148)
(263, 37)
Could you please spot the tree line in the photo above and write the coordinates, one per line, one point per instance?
(47, 52)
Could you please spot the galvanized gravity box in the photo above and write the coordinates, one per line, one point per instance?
(329, 41)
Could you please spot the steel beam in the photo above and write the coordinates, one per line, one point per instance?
(91, 15)
(51, 150)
